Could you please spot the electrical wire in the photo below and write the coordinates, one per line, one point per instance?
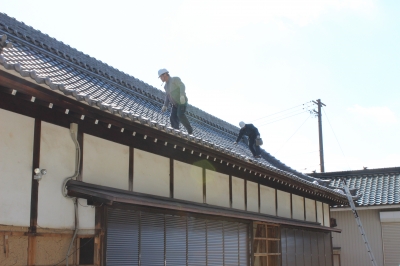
(292, 135)
(279, 112)
(270, 122)
(348, 165)
(74, 251)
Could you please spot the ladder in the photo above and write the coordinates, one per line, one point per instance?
(358, 220)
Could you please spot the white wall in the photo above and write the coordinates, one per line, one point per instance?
(105, 163)
(16, 153)
(298, 207)
(283, 204)
(188, 182)
(310, 210)
(320, 213)
(327, 221)
(57, 155)
(252, 196)
(151, 173)
(267, 200)
(217, 188)
(238, 193)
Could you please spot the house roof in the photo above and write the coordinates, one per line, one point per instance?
(378, 186)
(46, 61)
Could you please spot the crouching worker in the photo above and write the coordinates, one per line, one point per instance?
(252, 132)
(176, 95)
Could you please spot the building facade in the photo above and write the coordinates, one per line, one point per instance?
(92, 174)
(379, 211)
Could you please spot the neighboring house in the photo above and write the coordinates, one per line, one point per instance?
(121, 187)
(379, 210)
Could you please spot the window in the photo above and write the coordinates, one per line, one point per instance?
(266, 244)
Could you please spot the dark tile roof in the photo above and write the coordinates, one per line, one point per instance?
(47, 61)
(377, 186)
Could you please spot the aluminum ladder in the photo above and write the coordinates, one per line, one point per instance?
(358, 220)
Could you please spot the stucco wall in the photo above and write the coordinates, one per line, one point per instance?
(188, 182)
(150, 173)
(105, 162)
(310, 210)
(267, 200)
(283, 204)
(298, 207)
(16, 149)
(217, 188)
(252, 196)
(238, 193)
(17, 250)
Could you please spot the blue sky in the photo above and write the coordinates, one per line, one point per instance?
(245, 60)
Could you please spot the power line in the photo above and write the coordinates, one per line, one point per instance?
(292, 135)
(283, 118)
(337, 140)
(280, 112)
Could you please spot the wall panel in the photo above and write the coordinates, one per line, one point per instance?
(320, 213)
(188, 182)
(326, 215)
(267, 200)
(310, 210)
(298, 207)
(16, 150)
(217, 188)
(252, 196)
(147, 178)
(283, 204)
(238, 193)
(105, 163)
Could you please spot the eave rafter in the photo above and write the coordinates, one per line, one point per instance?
(167, 142)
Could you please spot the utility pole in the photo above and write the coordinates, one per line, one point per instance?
(321, 145)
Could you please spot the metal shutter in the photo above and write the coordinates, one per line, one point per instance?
(391, 243)
(122, 238)
(146, 238)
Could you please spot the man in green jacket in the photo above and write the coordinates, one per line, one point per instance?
(176, 95)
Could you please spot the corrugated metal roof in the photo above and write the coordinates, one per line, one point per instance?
(47, 61)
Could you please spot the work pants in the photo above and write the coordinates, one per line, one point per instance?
(178, 115)
(255, 149)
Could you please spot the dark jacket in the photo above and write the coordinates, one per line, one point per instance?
(249, 130)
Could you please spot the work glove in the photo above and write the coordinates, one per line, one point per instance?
(183, 100)
(164, 108)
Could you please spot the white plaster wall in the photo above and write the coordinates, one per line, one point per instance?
(283, 204)
(238, 193)
(16, 150)
(217, 188)
(298, 207)
(105, 163)
(150, 173)
(320, 214)
(310, 210)
(188, 182)
(327, 221)
(57, 155)
(252, 196)
(267, 200)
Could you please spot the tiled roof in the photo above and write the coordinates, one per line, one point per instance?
(377, 186)
(47, 61)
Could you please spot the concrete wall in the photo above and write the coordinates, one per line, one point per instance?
(16, 149)
(353, 251)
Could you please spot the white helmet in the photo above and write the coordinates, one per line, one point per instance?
(162, 71)
(241, 124)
